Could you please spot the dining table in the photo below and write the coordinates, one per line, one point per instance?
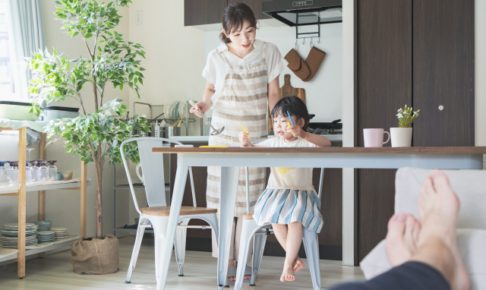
(230, 159)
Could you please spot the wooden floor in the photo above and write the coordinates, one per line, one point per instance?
(54, 272)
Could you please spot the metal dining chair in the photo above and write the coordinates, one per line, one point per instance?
(150, 171)
(250, 230)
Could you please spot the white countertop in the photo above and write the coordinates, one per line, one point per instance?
(204, 139)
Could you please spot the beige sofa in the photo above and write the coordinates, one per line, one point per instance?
(470, 186)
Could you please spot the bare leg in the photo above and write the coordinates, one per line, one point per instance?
(280, 231)
(294, 239)
(439, 208)
(401, 239)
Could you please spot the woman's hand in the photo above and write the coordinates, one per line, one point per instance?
(199, 109)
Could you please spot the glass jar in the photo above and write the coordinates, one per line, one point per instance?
(52, 170)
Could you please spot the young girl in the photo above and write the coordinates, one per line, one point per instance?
(289, 202)
(242, 84)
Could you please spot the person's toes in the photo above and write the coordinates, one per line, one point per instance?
(399, 244)
(412, 231)
(426, 192)
(396, 226)
(298, 265)
(287, 273)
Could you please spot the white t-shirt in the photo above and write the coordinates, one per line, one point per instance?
(289, 177)
(216, 67)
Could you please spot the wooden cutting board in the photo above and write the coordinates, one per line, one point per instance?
(287, 89)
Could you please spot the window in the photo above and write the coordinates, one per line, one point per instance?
(7, 55)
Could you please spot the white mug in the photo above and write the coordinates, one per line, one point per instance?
(374, 137)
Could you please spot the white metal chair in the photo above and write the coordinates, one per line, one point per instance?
(251, 230)
(157, 212)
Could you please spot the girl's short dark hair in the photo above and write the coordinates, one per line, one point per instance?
(233, 17)
(295, 106)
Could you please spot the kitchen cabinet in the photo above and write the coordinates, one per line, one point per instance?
(20, 192)
(198, 12)
(419, 53)
(255, 5)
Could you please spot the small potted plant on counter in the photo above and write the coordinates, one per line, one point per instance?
(95, 135)
(401, 136)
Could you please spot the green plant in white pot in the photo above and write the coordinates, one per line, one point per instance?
(401, 136)
(103, 124)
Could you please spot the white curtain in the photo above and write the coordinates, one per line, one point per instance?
(26, 29)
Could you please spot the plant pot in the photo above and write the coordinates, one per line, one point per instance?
(95, 256)
(401, 137)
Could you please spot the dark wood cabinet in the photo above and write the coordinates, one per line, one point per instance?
(419, 53)
(198, 12)
(255, 5)
(443, 72)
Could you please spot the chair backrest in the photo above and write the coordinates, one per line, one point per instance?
(470, 186)
(152, 167)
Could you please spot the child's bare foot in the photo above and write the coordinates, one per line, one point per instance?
(287, 273)
(439, 208)
(298, 265)
(401, 239)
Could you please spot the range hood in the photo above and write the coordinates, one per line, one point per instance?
(304, 12)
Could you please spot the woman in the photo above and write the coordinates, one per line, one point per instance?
(242, 84)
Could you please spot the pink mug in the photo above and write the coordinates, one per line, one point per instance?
(374, 137)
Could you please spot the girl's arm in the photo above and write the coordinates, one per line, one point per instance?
(318, 140)
(273, 93)
(201, 107)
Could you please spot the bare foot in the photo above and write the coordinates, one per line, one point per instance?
(287, 274)
(401, 239)
(298, 265)
(439, 208)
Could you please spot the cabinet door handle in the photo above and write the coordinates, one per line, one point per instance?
(441, 107)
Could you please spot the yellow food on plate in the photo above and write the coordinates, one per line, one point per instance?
(283, 170)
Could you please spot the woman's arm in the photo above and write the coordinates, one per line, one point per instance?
(201, 107)
(273, 93)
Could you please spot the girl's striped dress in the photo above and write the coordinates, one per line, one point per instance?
(290, 195)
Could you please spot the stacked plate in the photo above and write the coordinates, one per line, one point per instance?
(9, 235)
(46, 236)
(60, 233)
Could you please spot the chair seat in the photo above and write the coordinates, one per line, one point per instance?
(185, 210)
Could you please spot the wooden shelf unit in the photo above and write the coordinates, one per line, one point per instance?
(20, 192)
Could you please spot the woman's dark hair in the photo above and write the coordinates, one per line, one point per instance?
(295, 106)
(233, 17)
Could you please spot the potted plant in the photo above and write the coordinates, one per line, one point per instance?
(401, 136)
(95, 135)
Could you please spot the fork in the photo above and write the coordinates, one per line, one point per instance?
(215, 131)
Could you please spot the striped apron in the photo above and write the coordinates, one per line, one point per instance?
(243, 103)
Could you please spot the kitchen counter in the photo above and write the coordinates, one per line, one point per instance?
(232, 158)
